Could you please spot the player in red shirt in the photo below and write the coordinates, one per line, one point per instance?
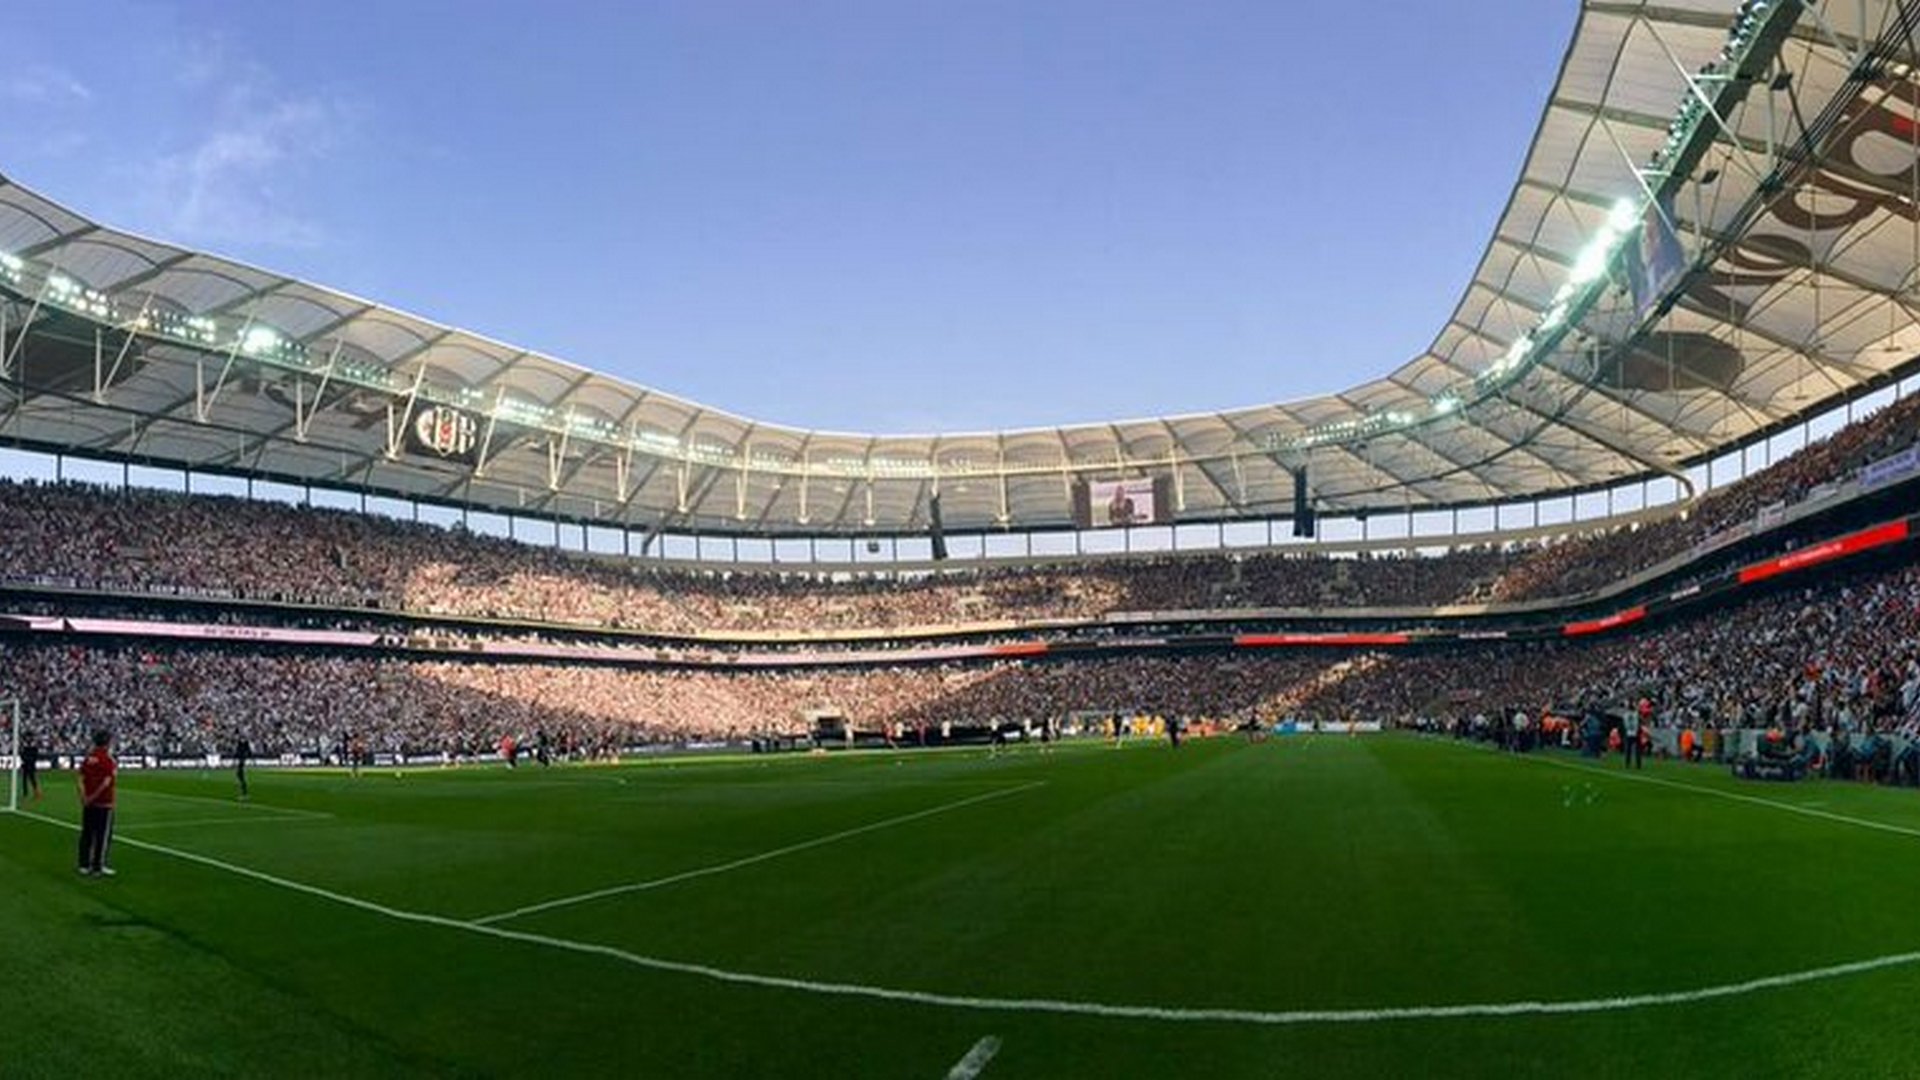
(96, 807)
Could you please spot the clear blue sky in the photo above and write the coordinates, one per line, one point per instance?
(881, 215)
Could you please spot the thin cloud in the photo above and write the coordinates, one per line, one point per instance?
(232, 182)
(63, 144)
(44, 84)
(200, 59)
(238, 177)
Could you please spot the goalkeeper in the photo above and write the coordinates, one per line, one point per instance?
(30, 767)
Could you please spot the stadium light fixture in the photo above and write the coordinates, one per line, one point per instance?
(259, 340)
(1592, 261)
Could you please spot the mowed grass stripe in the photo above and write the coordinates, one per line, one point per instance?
(1173, 1014)
(1351, 873)
(1306, 879)
(751, 860)
(480, 841)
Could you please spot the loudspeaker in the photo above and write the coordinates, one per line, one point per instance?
(1303, 517)
(935, 529)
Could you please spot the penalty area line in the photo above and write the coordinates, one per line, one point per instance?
(139, 793)
(194, 823)
(1034, 1005)
(735, 864)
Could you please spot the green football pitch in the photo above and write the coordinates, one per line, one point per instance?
(1377, 906)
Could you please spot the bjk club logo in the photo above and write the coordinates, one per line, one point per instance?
(447, 432)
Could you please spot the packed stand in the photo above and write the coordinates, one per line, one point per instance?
(220, 548)
(146, 541)
(1584, 563)
(1840, 657)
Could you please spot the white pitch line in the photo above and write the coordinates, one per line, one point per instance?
(976, 1060)
(1791, 808)
(244, 819)
(143, 793)
(721, 868)
(1042, 1005)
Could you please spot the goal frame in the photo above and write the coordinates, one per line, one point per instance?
(11, 708)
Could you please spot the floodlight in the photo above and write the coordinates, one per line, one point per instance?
(1591, 264)
(259, 339)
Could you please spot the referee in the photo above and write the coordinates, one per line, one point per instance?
(96, 807)
(242, 750)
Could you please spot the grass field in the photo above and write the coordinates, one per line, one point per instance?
(881, 915)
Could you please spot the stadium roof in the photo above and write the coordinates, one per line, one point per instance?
(1777, 140)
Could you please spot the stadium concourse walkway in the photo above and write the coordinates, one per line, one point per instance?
(1311, 905)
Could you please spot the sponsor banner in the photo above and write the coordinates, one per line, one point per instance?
(1723, 538)
(1024, 648)
(1328, 727)
(869, 656)
(1270, 641)
(617, 655)
(1127, 644)
(1890, 469)
(530, 649)
(1769, 516)
(1853, 543)
(444, 432)
(433, 643)
(1610, 622)
(204, 632)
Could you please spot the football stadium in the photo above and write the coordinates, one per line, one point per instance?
(1546, 705)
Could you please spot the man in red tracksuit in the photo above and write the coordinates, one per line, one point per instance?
(96, 807)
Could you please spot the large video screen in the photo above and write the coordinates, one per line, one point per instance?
(1657, 260)
(1121, 502)
(1116, 504)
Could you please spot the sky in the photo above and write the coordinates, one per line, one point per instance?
(858, 215)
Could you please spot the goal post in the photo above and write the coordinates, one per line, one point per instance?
(10, 714)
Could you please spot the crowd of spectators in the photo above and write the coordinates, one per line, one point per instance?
(1585, 563)
(1840, 656)
(189, 701)
(150, 541)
